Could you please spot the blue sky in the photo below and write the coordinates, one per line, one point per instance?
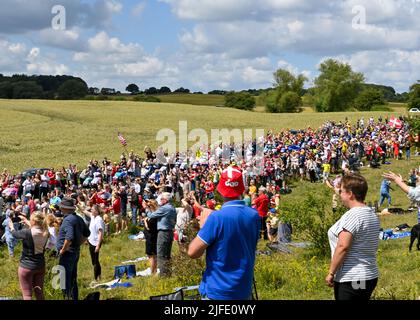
(210, 44)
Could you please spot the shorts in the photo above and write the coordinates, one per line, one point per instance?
(301, 170)
(273, 231)
(116, 218)
(151, 242)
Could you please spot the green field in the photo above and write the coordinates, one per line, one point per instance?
(55, 133)
(195, 99)
(38, 133)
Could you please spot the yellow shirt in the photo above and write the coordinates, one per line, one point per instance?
(253, 189)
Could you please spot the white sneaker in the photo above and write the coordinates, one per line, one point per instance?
(144, 273)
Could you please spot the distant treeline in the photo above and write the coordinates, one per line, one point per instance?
(21, 86)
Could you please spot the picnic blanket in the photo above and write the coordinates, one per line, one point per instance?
(391, 234)
(135, 260)
(112, 285)
(137, 237)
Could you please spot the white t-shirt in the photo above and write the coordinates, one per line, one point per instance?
(53, 238)
(360, 262)
(96, 224)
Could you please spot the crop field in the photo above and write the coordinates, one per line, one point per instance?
(55, 133)
(38, 133)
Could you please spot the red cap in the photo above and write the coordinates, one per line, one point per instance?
(231, 184)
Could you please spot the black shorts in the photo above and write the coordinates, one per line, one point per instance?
(151, 238)
(273, 231)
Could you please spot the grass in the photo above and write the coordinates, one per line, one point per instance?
(54, 133)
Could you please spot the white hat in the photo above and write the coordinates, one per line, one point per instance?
(28, 195)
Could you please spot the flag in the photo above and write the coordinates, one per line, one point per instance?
(122, 140)
(395, 122)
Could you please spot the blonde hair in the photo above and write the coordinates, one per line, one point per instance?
(52, 221)
(153, 205)
(40, 221)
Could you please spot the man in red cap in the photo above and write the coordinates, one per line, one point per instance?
(229, 238)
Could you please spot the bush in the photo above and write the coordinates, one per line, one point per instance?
(146, 98)
(241, 100)
(312, 217)
(369, 98)
(290, 102)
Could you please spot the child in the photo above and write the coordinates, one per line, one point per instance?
(272, 225)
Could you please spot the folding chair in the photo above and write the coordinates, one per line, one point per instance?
(195, 296)
(177, 295)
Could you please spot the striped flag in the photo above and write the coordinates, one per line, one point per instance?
(122, 140)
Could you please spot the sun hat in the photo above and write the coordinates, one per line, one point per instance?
(231, 183)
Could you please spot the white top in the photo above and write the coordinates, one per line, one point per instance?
(360, 262)
(96, 224)
(53, 238)
(414, 194)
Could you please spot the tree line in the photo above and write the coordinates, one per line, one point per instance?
(337, 88)
(21, 86)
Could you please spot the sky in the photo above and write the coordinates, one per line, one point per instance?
(205, 45)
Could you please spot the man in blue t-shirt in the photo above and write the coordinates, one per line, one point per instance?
(229, 237)
(384, 192)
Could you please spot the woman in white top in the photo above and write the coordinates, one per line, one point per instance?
(97, 228)
(354, 244)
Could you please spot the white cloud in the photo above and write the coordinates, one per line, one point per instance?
(38, 64)
(138, 9)
(397, 68)
(22, 16)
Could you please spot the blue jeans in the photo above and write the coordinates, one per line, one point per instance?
(134, 215)
(11, 244)
(69, 261)
(383, 197)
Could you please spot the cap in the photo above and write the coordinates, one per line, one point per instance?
(231, 183)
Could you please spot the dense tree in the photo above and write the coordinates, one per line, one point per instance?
(151, 90)
(369, 98)
(132, 88)
(94, 91)
(164, 90)
(337, 86)
(27, 90)
(414, 96)
(182, 90)
(6, 90)
(240, 100)
(108, 91)
(219, 92)
(287, 96)
(72, 89)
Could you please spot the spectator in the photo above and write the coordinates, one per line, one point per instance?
(32, 262)
(150, 234)
(354, 242)
(166, 215)
(261, 203)
(384, 192)
(97, 229)
(72, 234)
(413, 193)
(229, 238)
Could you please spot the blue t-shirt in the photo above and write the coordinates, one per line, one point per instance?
(385, 186)
(231, 235)
(73, 228)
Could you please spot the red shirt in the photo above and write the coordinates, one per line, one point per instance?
(197, 211)
(261, 204)
(116, 206)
